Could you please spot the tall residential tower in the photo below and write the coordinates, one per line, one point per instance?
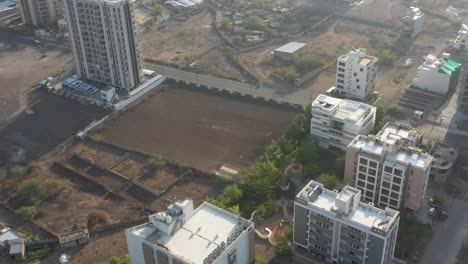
(103, 37)
(37, 13)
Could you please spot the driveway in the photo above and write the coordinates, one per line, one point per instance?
(449, 235)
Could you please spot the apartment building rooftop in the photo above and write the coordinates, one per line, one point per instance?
(358, 56)
(395, 132)
(342, 109)
(347, 204)
(414, 13)
(202, 234)
(376, 145)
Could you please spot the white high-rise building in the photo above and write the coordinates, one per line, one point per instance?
(103, 37)
(355, 74)
(182, 235)
(336, 122)
(339, 228)
(38, 13)
(412, 23)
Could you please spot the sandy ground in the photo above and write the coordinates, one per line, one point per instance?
(180, 41)
(198, 129)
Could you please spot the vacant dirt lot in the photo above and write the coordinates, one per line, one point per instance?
(180, 41)
(216, 63)
(198, 129)
(20, 69)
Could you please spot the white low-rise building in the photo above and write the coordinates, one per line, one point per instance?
(336, 122)
(461, 42)
(412, 23)
(339, 228)
(438, 75)
(182, 235)
(355, 74)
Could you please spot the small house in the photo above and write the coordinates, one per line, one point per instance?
(287, 51)
(74, 238)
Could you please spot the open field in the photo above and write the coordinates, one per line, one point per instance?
(180, 42)
(198, 129)
(20, 69)
(54, 120)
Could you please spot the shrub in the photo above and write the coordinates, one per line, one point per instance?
(97, 138)
(158, 9)
(282, 247)
(386, 57)
(156, 162)
(393, 111)
(259, 259)
(116, 260)
(261, 210)
(98, 217)
(329, 181)
(27, 212)
(288, 74)
(38, 253)
(35, 190)
(306, 63)
(18, 170)
(3, 173)
(232, 194)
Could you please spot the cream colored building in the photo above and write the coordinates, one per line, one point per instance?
(388, 167)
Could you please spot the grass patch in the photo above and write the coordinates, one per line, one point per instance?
(18, 170)
(37, 254)
(36, 190)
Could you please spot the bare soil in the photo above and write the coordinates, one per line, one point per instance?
(198, 129)
(132, 167)
(180, 41)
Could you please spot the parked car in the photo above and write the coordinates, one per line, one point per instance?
(36, 41)
(431, 211)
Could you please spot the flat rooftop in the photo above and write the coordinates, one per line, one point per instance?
(291, 47)
(343, 109)
(208, 227)
(394, 131)
(365, 215)
(367, 145)
(420, 160)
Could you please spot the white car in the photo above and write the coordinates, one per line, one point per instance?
(431, 211)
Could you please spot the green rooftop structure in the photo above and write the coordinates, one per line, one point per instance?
(453, 69)
(438, 75)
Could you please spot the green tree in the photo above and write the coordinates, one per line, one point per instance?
(158, 9)
(282, 247)
(306, 63)
(439, 202)
(27, 212)
(329, 181)
(156, 162)
(393, 111)
(123, 260)
(232, 194)
(259, 259)
(35, 190)
(254, 23)
(379, 119)
(386, 57)
(261, 181)
(261, 210)
(226, 23)
(340, 164)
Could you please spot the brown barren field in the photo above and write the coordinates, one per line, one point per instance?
(198, 129)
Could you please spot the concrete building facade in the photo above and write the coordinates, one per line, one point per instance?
(104, 41)
(341, 229)
(463, 94)
(461, 42)
(412, 23)
(182, 235)
(438, 75)
(355, 74)
(388, 168)
(444, 159)
(38, 13)
(336, 122)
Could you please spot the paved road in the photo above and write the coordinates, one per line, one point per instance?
(226, 84)
(448, 237)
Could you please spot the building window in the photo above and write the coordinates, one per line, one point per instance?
(393, 203)
(355, 74)
(396, 180)
(384, 192)
(396, 187)
(358, 87)
(363, 161)
(361, 184)
(361, 69)
(388, 169)
(386, 184)
(394, 195)
(398, 172)
(362, 168)
(373, 164)
(342, 64)
(383, 199)
(370, 186)
(372, 172)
